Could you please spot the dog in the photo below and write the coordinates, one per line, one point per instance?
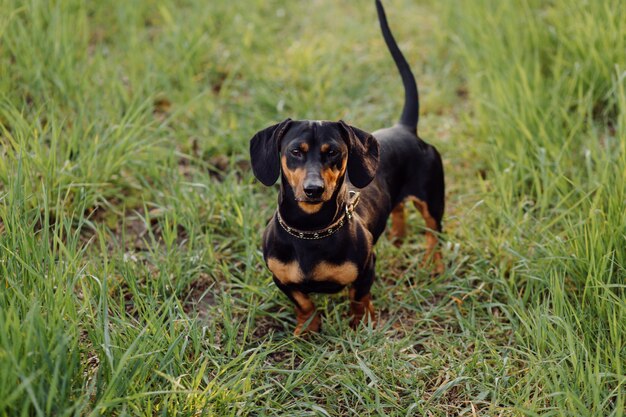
(338, 186)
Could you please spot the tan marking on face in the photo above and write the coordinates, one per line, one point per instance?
(325, 147)
(310, 208)
(331, 177)
(304, 147)
(433, 254)
(295, 178)
(343, 274)
(287, 273)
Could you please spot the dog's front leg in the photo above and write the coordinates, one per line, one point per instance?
(361, 306)
(307, 317)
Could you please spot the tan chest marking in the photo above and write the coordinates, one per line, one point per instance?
(343, 274)
(287, 273)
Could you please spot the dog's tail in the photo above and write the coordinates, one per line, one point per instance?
(410, 112)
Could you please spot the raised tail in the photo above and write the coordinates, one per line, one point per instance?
(410, 112)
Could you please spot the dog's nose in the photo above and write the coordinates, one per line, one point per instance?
(314, 190)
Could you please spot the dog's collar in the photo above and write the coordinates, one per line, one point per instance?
(353, 201)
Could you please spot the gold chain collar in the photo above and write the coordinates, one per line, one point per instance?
(353, 201)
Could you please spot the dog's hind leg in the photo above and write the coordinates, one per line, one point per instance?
(433, 227)
(398, 224)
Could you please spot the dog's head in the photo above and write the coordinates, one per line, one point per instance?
(314, 157)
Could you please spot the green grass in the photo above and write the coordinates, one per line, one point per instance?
(130, 222)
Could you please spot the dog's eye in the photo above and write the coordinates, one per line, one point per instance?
(332, 152)
(296, 152)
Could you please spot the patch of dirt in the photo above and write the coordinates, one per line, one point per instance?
(462, 92)
(218, 81)
(161, 108)
(285, 357)
(266, 325)
(220, 165)
(90, 364)
(135, 229)
(200, 297)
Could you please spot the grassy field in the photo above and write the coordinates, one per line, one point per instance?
(130, 222)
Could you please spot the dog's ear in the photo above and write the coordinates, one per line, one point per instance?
(362, 155)
(264, 152)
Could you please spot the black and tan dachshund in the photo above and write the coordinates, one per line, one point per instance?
(338, 187)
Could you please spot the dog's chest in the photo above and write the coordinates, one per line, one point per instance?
(337, 259)
(297, 272)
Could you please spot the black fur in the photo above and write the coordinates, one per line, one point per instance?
(387, 167)
(264, 152)
(363, 152)
(411, 110)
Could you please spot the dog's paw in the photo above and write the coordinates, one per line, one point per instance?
(434, 264)
(363, 312)
(310, 325)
